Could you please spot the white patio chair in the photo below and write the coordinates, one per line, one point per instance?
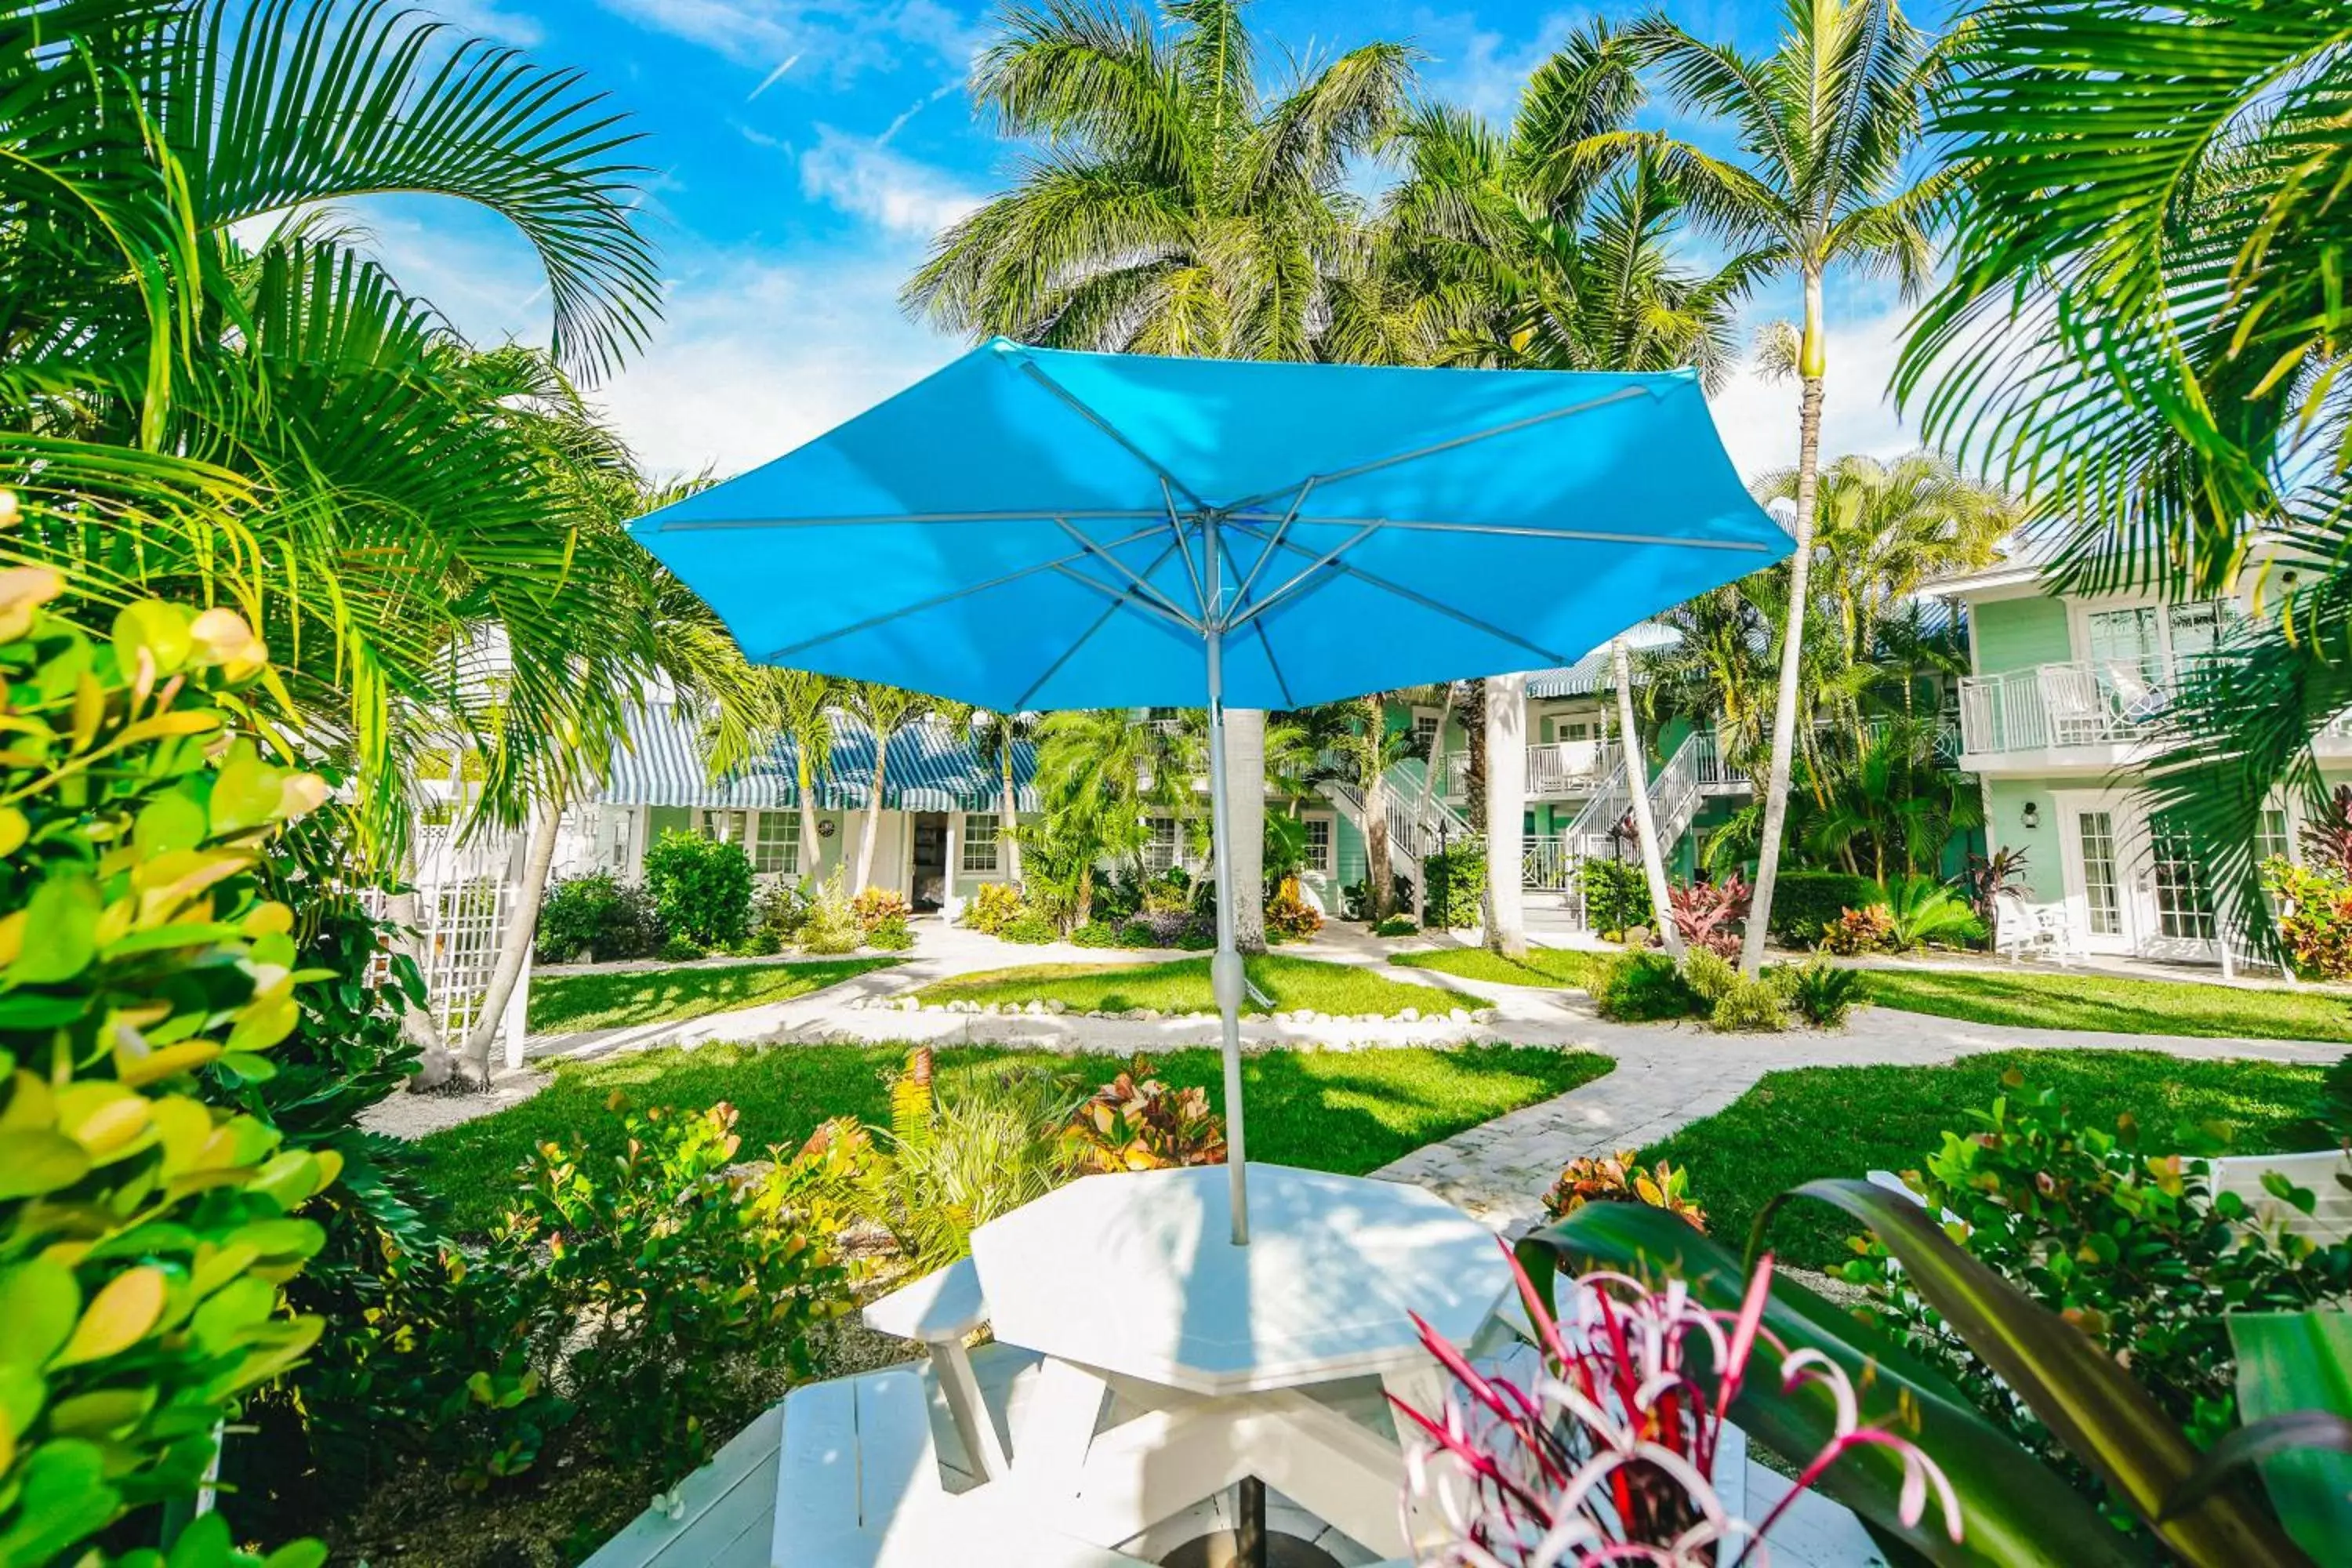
(2023, 930)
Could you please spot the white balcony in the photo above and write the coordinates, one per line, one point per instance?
(2096, 710)
(1555, 768)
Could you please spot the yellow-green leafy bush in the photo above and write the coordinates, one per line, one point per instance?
(143, 1234)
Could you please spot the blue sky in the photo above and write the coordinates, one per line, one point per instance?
(807, 149)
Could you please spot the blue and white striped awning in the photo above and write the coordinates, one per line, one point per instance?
(930, 768)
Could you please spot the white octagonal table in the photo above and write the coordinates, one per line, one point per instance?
(1134, 1278)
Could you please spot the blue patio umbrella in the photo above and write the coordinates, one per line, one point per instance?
(1032, 529)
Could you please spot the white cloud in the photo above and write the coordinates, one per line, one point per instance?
(1758, 418)
(491, 19)
(756, 358)
(888, 189)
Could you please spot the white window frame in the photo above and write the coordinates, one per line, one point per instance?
(981, 830)
(783, 858)
(1163, 848)
(1322, 865)
(1427, 722)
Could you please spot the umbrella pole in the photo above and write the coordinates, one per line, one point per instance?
(1225, 974)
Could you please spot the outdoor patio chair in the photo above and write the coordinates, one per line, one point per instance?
(2021, 930)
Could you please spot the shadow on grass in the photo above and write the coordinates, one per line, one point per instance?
(2114, 1004)
(565, 1003)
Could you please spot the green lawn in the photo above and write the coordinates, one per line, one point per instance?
(1809, 1123)
(1182, 986)
(2064, 1001)
(1350, 1111)
(1554, 966)
(565, 1002)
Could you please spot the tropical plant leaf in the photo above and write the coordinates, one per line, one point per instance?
(2088, 1402)
(2015, 1510)
(2295, 1391)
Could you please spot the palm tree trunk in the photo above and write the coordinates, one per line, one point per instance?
(514, 942)
(1784, 706)
(1505, 728)
(420, 1025)
(812, 844)
(1008, 814)
(1637, 789)
(1420, 809)
(1245, 767)
(873, 814)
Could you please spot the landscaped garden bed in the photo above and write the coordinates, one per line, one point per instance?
(617, 998)
(1173, 989)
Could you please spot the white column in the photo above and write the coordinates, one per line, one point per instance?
(950, 907)
(1506, 806)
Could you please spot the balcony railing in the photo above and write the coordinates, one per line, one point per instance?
(2059, 705)
(1554, 768)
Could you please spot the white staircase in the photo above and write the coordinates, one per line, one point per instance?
(1676, 793)
(1418, 828)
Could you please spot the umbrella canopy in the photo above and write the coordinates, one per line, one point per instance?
(1037, 528)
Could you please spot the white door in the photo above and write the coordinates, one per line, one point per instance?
(2134, 885)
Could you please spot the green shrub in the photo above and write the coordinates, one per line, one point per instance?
(1095, 933)
(145, 1234)
(596, 917)
(780, 914)
(1397, 925)
(1616, 896)
(994, 906)
(831, 928)
(1638, 987)
(1031, 930)
(2131, 1245)
(663, 1282)
(683, 949)
(701, 889)
(952, 1159)
(1749, 1007)
(1709, 975)
(1804, 903)
(1824, 994)
(1923, 910)
(1455, 881)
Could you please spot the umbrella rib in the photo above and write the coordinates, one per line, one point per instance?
(1078, 406)
(1356, 470)
(1527, 531)
(1329, 557)
(1159, 600)
(1280, 681)
(1425, 601)
(936, 600)
(879, 520)
(1242, 593)
(1176, 531)
(1078, 642)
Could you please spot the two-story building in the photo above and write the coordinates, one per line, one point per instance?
(2067, 699)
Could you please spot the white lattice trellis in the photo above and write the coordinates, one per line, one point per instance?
(464, 903)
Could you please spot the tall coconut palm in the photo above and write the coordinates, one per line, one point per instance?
(1827, 123)
(1100, 772)
(1175, 204)
(801, 711)
(2146, 325)
(1001, 737)
(886, 711)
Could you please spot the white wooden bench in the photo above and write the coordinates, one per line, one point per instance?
(940, 1311)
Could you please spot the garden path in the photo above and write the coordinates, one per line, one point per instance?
(1667, 1074)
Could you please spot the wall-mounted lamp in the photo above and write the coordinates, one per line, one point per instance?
(2032, 817)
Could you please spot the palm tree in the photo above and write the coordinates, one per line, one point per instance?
(1100, 772)
(2145, 325)
(205, 407)
(801, 712)
(1175, 207)
(1826, 123)
(1000, 736)
(1528, 249)
(886, 712)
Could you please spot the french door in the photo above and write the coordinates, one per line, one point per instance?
(2134, 883)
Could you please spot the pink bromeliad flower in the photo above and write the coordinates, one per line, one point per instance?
(1610, 1457)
